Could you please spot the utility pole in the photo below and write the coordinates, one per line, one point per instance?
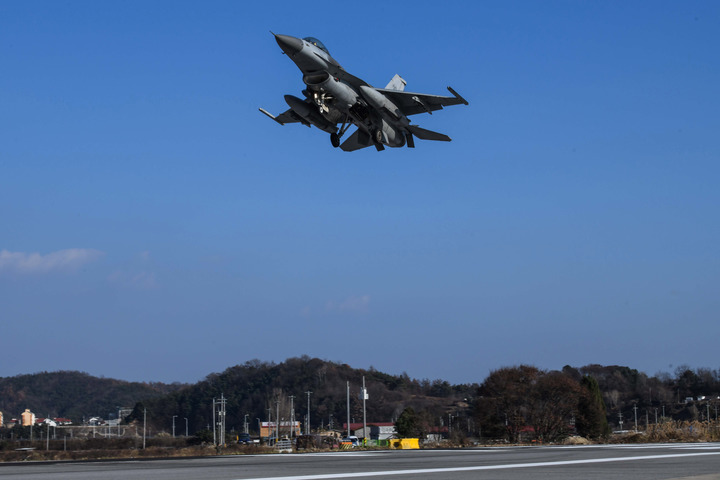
(144, 425)
(277, 420)
(348, 409)
(364, 397)
(635, 409)
(708, 412)
(223, 403)
(174, 425)
(186, 426)
(292, 415)
(621, 420)
(307, 423)
(219, 416)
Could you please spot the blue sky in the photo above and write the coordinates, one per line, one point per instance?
(155, 226)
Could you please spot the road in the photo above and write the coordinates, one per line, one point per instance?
(699, 461)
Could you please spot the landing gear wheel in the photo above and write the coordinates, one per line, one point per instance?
(378, 136)
(335, 139)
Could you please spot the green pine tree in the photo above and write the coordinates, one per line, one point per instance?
(408, 424)
(591, 421)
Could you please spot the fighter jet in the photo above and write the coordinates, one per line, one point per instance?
(335, 97)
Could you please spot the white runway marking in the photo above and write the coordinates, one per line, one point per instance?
(640, 446)
(482, 467)
(342, 454)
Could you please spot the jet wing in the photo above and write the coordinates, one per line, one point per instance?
(288, 116)
(413, 103)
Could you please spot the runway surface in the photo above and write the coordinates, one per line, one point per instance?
(698, 461)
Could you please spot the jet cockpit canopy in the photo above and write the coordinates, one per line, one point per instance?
(317, 43)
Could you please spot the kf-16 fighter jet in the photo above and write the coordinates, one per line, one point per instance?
(334, 97)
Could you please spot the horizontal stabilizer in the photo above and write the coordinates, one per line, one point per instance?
(356, 141)
(427, 134)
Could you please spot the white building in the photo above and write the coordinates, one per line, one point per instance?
(377, 431)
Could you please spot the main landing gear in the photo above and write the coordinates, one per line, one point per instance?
(336, 136)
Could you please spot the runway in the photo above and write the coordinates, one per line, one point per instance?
(700, 461)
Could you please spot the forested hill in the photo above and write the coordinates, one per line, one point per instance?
(256, 390)
(73, 395)
(254, 387)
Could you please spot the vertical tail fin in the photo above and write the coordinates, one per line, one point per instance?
(397, 83)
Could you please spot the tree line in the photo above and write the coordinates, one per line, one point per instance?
(524, 401)
(511, 403)
(256, 391)
(73, 395)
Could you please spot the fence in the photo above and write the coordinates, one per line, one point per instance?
(284, 445)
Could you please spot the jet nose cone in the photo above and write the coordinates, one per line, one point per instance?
(289, 45)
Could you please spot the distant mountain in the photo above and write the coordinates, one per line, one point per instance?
(73, 395)
(257, 389)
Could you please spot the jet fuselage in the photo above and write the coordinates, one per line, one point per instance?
(334, 97)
